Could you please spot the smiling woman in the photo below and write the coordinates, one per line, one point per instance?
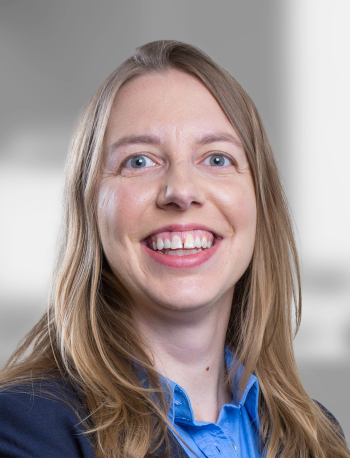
(168, 330)
(175, 195)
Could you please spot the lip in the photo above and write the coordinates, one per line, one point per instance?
(183, 228)
(181, 262)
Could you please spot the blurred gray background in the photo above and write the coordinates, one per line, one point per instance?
(292, 59)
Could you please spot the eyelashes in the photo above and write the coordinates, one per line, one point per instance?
(141, 161)
(218, 160)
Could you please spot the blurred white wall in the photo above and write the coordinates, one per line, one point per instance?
(30, 200)
(317, 81)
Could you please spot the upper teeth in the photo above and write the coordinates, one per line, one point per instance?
(198, 240)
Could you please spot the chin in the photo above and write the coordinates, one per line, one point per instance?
(190, 300)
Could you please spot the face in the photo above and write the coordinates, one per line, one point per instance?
(176, 201)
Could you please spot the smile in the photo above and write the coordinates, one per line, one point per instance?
(181, 243)
(181, 248)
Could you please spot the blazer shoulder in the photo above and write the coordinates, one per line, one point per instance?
(331, 418)
(42, 419)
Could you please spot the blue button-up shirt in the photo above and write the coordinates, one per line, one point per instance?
(236, 433)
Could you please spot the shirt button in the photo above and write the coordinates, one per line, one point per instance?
(234, 447)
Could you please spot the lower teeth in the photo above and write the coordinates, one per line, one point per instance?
(181, 252)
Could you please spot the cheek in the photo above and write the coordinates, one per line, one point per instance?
(121, 210)
(239, 204)
(247, 211)
(243, 223)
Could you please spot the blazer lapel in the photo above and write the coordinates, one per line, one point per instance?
(176, 450)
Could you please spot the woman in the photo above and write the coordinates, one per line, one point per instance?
(168, 330)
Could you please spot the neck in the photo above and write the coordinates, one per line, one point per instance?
(188, 348)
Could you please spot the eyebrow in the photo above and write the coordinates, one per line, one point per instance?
(220, 137)
(134, 140)
(153, 140)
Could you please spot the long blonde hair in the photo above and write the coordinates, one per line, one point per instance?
(88, 334)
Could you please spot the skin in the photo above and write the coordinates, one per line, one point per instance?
(181, 313)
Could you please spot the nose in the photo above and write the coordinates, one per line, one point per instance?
(181, 188)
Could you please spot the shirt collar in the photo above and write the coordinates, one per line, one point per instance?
(181, 409)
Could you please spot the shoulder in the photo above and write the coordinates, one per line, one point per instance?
(42, 420)
(331, 418)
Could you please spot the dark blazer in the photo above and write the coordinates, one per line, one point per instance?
(37, 421)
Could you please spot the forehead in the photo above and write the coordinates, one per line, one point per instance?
(172, 102)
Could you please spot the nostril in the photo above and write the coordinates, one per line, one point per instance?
(180, 196)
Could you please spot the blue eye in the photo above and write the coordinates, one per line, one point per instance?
(139, 162)
(218, 160)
